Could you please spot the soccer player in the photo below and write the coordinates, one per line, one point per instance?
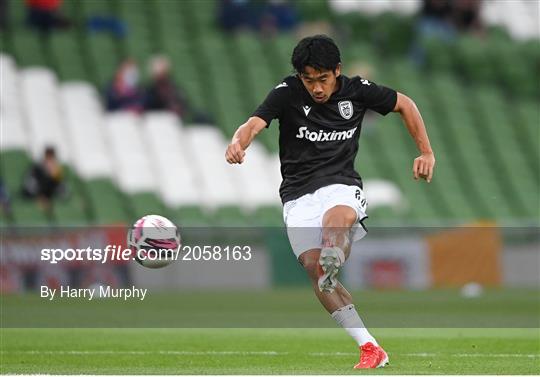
(320, 113)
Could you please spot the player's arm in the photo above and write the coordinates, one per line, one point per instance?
(242, 138)
(424, 164)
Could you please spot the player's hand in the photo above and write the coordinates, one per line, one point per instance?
(235, 153)
(423, 166)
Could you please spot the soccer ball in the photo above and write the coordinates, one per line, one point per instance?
(154, 241)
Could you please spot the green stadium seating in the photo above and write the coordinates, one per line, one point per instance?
(30, 48)
(268, 216)
(14, 164)
(500, 131)
(71, 210)
(68, 66)
(107, 204)
(104, 55)
(145, 204)
(454, 200)
(191, 216)
(28, 213)
(471, 151)
(230, 216)
(479, 101)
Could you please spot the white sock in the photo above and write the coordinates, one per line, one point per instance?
(348, 318)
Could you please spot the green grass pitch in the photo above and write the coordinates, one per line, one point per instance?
(275, 349)
(265, 351)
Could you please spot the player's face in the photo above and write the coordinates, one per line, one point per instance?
(320, 84)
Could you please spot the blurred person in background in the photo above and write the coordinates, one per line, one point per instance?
(434, 23)
(443, 20)
(5, 200)
(45, 15)
(278, 15)
(267, 17)
(45, 180)
(163, 93)
(124, 92)
(436, 20)
(234, 15)
(466, 16)
(4, 22)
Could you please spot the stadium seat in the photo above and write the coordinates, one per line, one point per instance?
(14, 164)
(30, 48)
(106, 203)
(146, 203)
(519, 182)
(67, 52)
(105, 57)
(446, 186)
(230, 216)
(268, 216)
(130, 154)
(484, 184)
(177, 180)
(274, 171)
(191, 216)
(28, 213)
(258, 187)
(382, 193)
(220, 183)
(13, 134)
(72, 210)
(41, 101)
(84, 127)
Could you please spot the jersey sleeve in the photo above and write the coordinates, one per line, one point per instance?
(274, 104)
(378, 98)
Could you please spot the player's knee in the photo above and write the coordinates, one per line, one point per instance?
(339, 217)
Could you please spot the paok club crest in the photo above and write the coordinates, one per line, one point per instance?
(345, 109)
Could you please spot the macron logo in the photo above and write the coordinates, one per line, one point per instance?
(307, 109)
(282, 85)
(304, 133)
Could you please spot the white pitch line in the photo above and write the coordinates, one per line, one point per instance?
(424, 354)
(183, 353)
(260, 353)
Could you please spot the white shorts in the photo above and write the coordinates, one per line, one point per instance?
(303, 216)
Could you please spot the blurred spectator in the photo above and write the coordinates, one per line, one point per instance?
(108, 24)
(45, 180)
(435, 20)
(442, 20)
(124, 92)
(163, 93)
(5, 200)
(4, 24)
(278, 15)
(236, 14)
(265, 16)
(466, 15)
(45, 15)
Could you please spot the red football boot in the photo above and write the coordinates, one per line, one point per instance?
(371, 356)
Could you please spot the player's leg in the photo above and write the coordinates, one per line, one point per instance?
(337, 223)
(330, 300)
(339, 304)
(304, 218)
(336, 229)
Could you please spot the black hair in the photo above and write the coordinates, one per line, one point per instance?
(50, 151)
(318, 51)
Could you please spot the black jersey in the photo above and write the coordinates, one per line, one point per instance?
(318, 142)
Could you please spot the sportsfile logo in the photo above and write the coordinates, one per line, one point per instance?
(304, 133)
